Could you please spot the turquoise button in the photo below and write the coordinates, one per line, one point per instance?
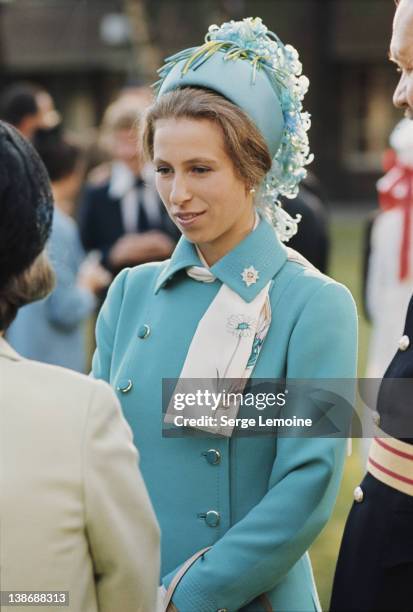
(212, 518)
(144, 331)
(124, 385)
(213, 456)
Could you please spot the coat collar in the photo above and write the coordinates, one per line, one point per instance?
(7, 351)
(261, 249)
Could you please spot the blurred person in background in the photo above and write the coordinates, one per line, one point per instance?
(375, 565)
(121, 214)
(390, 264)
(52, 330)
(75, 514)
(388, 162)
(29, 108)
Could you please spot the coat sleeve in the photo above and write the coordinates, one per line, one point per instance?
(121, 527)
(106, 327)
(258, 551)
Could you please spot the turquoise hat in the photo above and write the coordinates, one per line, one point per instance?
(250, 66)
(234, 80)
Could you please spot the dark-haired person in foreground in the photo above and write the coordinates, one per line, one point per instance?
(375, 566)
(75, 514)
(52, 330)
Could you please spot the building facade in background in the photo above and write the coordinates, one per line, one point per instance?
(84, 51)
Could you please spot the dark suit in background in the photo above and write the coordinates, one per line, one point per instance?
(102, 220)
(312, 239)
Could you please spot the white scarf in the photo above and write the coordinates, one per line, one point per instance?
(122, 187)
(226, 345)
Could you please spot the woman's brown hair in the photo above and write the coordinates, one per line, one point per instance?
(31, 285)
(244, 143)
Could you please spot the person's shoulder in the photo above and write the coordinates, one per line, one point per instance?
(67, 405)
(130, 287)
(306, 281)
(96, 190)
(99, 175)
(298, 269)
(63, 226)
(140, 277)
(147, 270)
(60, 388)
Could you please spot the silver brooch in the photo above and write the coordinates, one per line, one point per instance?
(250, 276)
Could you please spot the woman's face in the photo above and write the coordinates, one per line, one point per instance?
(197, 182)
(123, 148)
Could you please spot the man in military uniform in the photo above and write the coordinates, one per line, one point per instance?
(375, 565)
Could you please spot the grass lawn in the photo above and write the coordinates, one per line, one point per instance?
(345, 266)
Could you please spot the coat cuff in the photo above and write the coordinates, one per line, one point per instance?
(188, 595)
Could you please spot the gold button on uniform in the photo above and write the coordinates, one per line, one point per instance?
(358, 495)
(404, 343)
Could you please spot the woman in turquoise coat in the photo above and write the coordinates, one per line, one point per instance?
(227, 135)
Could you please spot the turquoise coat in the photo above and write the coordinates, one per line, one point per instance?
(273, 496)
